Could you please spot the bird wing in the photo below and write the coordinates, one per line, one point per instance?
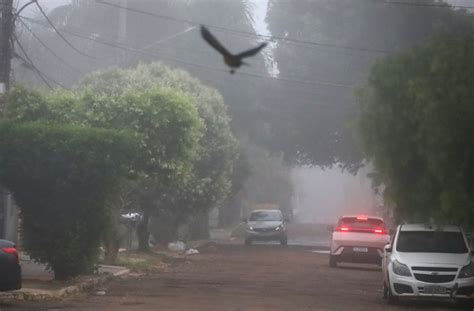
(209, 37)
(252, 52)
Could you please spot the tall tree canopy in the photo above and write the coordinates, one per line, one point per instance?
(310, 122)
(416, 125)
(209, 184)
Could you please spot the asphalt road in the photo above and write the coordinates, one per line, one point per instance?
(235, 277)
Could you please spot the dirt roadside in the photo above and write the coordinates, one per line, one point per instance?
(235, 277)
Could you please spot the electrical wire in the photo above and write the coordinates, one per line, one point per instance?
(30, 62)
(59, 33)
(247, 33)
(433, 5)
(180, 61)
(50, 50)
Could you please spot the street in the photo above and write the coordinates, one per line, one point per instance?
(235, 277)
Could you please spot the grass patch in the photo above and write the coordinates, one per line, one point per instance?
(144, 262)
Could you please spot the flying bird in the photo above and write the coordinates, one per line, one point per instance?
(234, 61)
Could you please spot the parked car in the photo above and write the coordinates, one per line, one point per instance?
(10, 270)
(358, 239)
(431, 261)
(266, 225)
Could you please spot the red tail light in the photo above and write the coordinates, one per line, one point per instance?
(343, 229)
(11, 251)
(380, 231)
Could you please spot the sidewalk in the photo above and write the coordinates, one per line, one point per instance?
(38, 283)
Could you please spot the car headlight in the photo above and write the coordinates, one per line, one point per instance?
(400, 269)
(278, 228)
(467, 271)
(250, 228)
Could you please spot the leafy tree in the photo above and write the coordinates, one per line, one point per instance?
(210, 182)
(416, 124)
(165, 121)
(310, 122)
(155, 40)
(61, 176)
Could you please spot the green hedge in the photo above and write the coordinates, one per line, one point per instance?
(61, 176)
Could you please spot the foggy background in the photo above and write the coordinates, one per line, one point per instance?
(320, 195)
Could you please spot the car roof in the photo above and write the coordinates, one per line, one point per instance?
(428, 227)
(266, 210)
(360, 215)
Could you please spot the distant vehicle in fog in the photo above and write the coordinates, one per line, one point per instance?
(358, 239)
(266, 225)
(428, 261)
(10, 270)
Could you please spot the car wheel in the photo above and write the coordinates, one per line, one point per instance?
(385, 290)
(284, 241)
(332, 261)
(248, 242)
(391, 298)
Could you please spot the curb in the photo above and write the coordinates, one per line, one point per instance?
(31, 294)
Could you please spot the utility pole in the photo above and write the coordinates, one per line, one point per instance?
(6, 31)
(8, 211)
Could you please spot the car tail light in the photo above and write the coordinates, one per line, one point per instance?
(11, 251)
(362, 217)
(343, 229)
(380, 231)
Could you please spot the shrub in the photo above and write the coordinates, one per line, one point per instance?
(61, 176)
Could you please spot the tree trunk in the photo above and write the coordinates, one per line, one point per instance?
(143, 233)
(112, 245)
(112, 240)
(199, 226)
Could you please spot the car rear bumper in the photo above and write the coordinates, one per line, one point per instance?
(10, 278)
(349, 254)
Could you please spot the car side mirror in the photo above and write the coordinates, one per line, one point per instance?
(330, 228)
(388, 248)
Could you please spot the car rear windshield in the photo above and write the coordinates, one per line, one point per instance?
(265, 216)
(361, 223)
(431, 242)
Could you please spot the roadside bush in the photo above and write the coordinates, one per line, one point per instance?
(61, 177)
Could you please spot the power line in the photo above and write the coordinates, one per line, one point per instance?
(59, 33)
(30, 62)
(433, 5)
(180, 61)
(247, 33)
(50, 50)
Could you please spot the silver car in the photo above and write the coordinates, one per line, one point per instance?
(266, 225)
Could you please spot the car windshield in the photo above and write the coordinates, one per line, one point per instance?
(431, 242)
(265, 216)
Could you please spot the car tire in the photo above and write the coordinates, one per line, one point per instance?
(332, 261)
(284, 241)
(391, 298)
(248, 242)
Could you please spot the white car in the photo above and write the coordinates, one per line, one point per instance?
(430, 261)
(358, 239)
